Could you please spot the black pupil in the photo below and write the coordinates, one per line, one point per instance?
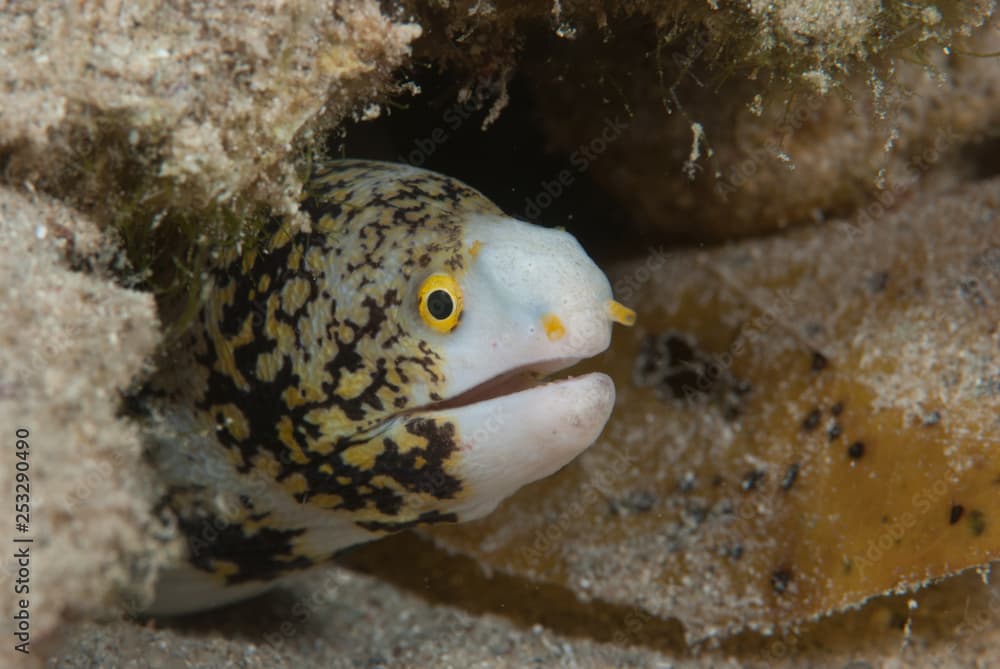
(440, 304)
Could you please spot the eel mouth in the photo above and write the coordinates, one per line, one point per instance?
(513, 429)
(520, 379)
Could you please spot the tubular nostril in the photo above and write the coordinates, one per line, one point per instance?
(620, 314)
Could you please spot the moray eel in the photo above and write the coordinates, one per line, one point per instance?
(377, 372)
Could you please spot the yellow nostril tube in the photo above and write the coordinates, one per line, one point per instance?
(621, 314)
(554, 328)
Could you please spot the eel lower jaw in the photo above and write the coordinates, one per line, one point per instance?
(510, 435)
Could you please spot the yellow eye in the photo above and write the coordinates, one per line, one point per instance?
(440, 302)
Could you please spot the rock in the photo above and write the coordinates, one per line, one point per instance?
(134, 109)
(70, 343)
(703, 157)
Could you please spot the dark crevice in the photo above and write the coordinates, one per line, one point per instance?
(983, 159)
(508, 161)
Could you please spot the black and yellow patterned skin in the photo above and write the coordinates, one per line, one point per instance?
(305, 357)
(311, 408)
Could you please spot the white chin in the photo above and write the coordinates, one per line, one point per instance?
(512, 440)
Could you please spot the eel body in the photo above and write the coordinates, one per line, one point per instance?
(380, 371)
